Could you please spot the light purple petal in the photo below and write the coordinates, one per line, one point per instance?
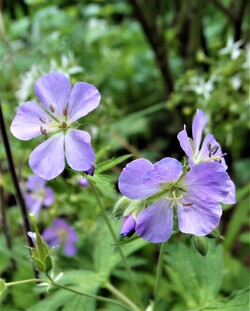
(79, 153)
(200, 218)
(198, 126)
(35, 183)
(33, 203)
(128, 225)
(84, 98)
(49, 196)
(53, 89)
(166, 170)
(130, 182)
(27, 122)
(204, 151)
(69, 249)
(155, 223)
(47, 159)
(32, 235)
(208, 181)
(51, 236)
(185, 144)
(230, 199)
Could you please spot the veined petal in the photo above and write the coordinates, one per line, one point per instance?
(28, 121)
(166, 170)
(130, 182)
(79, 153)
(155, 223)
(53, 89)
(84, 98)
(185, 144)
(35, 183)
(198, 216)
(203, 154)
(230, 199)
(198, 126)
(208, 181)
(47, 159)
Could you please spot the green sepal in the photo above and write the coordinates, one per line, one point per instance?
(34, 253)
(200, 243)
(48, 263)
(39, 264)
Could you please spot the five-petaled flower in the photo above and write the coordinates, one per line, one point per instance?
(196, 194)
(60, 107)
(61, 234)
(38, 194)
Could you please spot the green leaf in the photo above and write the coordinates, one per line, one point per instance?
(105, 185)
(195, 278)
(106, 165)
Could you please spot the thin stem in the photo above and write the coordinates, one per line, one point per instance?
(27, 281)
(135, 291)
(19, 197)
(159, 271)
(121, 296)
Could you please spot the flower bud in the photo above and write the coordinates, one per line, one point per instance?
(83, 182)
(90, 171)
(200, 244)
(128, 226)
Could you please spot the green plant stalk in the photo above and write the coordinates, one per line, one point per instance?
(135, 291)
(121, 296)
(159, 271)
(27, 281)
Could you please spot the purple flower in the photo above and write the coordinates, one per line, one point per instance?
(60, 107)
(39, 194)
(128, 225)
(196, 195)
(61, 233)
(83, 182)
(210, 149)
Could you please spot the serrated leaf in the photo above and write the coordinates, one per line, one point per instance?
(105, 185)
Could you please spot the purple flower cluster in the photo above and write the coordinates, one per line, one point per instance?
(59, 108)
(38, 194)
(61, 234)
(195, 191)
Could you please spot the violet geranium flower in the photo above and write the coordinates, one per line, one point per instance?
(59, 108)
(210, 149)
(38, 194)
(164, 186)
(61, 234)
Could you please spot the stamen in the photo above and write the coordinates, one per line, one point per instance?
(52, 108)
(214, 149)
(208, 146)
(64, 125)
(187, 204)
(65, 111)
(209, 149)
(41, 129)
(42, 120)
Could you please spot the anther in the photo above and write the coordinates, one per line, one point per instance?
(52, 108)
(187, 204)
(209, 150)
(41, 129)
(214, 149)
(64, 125)
(65, 111)
(42, 120)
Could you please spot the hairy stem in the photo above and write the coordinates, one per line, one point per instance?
(19, 196)
(159, 272)
(135, 291)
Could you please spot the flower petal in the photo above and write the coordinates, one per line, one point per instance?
(49, 196)
(79, 153)
(33, 203)
(130, 182)
(69, 249)
(35, 183)
(204, 152)
(230, 199)
(128, 225)
(84, 98)
(28, 121)
(200, 218)
(208, 181)
(185, 144)
(155, 223)
(198, 126)
(166, 170)
(47, 159)
(53, 89)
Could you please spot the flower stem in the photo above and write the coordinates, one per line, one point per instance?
(27, 281)
(19, 196)
(121, 296)
(132, 282)
(159, 271)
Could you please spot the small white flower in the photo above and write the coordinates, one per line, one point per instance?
(232, 48)
(236, 82)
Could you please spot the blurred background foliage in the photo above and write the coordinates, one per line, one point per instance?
(155, 63)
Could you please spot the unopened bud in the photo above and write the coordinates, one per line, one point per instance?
(3, 290)
(128, 226)
(90, 171)
(200, 244)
